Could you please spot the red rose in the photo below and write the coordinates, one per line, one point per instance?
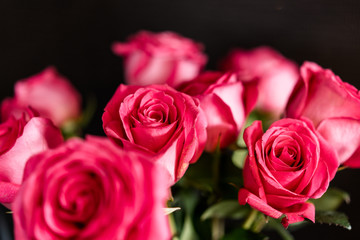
(286, 165)
(333, 106)
(275, 76)
(49, 93)
(158, 58)
(158, 120)
(19, 140)
(79, 192)
(225, 102)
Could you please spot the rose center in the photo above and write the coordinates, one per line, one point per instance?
(155, 116)
(288, 155)
(156, 113)
(79, 198)
(286, 152)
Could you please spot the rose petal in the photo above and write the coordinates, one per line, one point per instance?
(8, 192)
(321, 95)
(276, 86)
(250, 96)
(353, 161)
(158, 58)
(298, 213)
(252, 178)
(221, 124)
(175, 169)
(153, 138)
(62, 100)
(342, 134)
(57, 205)
(280, 199)
(39, 134)
(289, 180)
(273, 75)
(259, 204)
(298, 97)
(232, 95)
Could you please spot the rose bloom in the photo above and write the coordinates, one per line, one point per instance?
(158, 58)
(49, 93)
(333, 106)
(286, 165)
(275, 76)
(160, 121)
(225, 102)
(19, 140)
(91, 190)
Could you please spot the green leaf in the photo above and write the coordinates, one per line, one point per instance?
(331, 200)
(70, 129)
(189, 199)
(244, 235)
(88, 112)
(238, 158)
(199, 174)
(188, 231)
(226, 209)
(333, 218)
(276, 225)
(74, 127)
(266, 118)
(249, 120)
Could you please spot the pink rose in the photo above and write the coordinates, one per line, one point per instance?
(333, 106)
(49, 93)
(286, 165)
(275, 75)
(158, 120)
(158, 58)
(225, 102)
(19, 140)
(91, 190)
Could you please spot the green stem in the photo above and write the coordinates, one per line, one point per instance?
(235, 147)
(259, 223)
(217, 224)
(218, 228)
(216, 168)
(250, 219)
(173, 228)
(279, 228)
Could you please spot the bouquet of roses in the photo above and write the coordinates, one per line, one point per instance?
(188, 153)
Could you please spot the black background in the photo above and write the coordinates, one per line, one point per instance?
(75, 36)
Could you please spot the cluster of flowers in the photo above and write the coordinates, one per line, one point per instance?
(168, 114)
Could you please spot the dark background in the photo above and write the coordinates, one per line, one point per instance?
(75, 36)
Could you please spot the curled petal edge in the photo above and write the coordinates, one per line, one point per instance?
(293, 214)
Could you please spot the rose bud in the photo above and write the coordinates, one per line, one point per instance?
(79, 192)
(287, 165)
(274, 75)
(333, 106)
(158, 58)
(19, 140)
(48, 93)
(160, 121)
(226, 103)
